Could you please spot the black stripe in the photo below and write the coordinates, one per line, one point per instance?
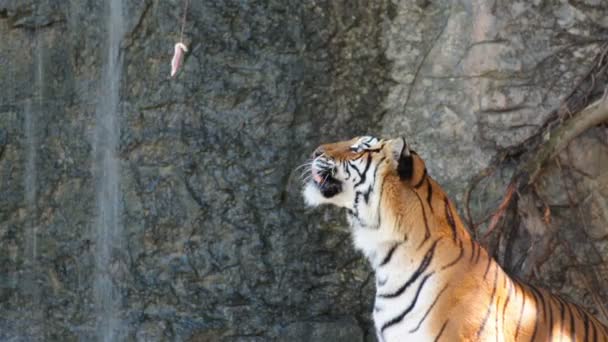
(472, 241)
(389, 255)
(419, 184)
(424, 264)
(509, 292)
(356, 203)
(534, 292)
(542, 300)
(450, 217)
(375, 150)
(441, 331)
(357, 195)
(367, 193)
(364, 174)
(487, 267)
(593, 331)
(521, 312)
(400, 317)
(429, 193)
(345, 167)
(457, 258)
(373, 183)
(585, 323)
(483, 324)
(354, 167)
(361, 154)
(478, 253)
(427, 231)
(572, 323)
(429, 309)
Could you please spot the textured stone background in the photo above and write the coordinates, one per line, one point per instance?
(216, 243)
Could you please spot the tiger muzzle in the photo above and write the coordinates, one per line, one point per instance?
(322, 175)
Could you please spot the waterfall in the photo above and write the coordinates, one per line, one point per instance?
(31, 231)
(108, 224)
(31, 142)
(33, 109)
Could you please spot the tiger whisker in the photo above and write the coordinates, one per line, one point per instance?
(305, 173)
(307, 180)
(324, 179)
(308, 163)
(306, 169)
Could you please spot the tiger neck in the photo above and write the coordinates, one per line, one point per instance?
(411, 217)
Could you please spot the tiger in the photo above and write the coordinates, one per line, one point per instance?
(433, 281)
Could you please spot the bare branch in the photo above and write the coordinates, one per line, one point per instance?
(591, 116)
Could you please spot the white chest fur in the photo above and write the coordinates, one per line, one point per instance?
(407, 288)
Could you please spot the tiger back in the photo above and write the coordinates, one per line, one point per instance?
(434, 282)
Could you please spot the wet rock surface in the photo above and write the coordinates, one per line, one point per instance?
(216, 242)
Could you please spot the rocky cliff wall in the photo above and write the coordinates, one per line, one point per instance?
(213, 241)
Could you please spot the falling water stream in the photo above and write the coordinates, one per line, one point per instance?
(108, 225)
(30, 285)
(33, 109)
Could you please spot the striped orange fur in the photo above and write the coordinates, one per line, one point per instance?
(434, 282)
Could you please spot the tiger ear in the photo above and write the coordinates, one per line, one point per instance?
(405, 162)
(397, 146)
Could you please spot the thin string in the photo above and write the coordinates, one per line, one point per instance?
(181, 35)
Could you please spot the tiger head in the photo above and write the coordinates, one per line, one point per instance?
(351, 174)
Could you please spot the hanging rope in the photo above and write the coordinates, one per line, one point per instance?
(181, 34)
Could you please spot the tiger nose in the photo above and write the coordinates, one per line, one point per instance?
(319, 151)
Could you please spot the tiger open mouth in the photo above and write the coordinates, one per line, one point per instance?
(324, 180)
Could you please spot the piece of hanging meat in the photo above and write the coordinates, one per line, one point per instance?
(178, 57)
